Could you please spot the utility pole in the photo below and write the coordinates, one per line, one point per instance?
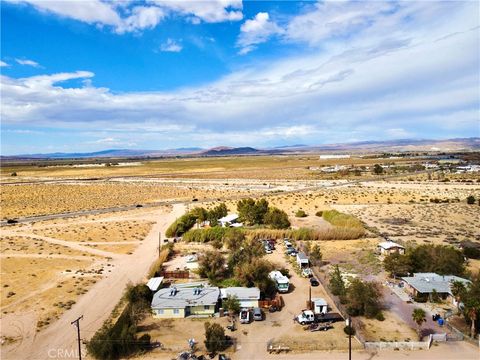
(349, 338)
(159, 242)
(77, 324)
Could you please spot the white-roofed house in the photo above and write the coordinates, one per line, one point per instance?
(248, 297)
(229, 221)
(180, 302)
(390, 247)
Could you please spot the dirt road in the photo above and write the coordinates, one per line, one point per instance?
(59, 339)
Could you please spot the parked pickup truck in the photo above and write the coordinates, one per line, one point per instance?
(308, 317)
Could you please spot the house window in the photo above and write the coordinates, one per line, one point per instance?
(176, 311)
(160, 312)
(206, 307)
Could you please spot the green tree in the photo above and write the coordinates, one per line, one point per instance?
(363, 298)
(216, 213)
(252, 212)
(276, 219)
(336, 283)
(234, 239)
(315, 254)
(418, 315)
(396, 264)
(377, 169)
(255, 274)
(232, 304)
(211, 265)
(214, 337)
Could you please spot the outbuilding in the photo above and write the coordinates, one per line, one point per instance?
(390, 247)
(302, 260)
(320, 306)
(248, 297)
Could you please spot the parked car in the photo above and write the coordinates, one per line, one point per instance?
(290, 250)
(288, 244)
(268, 250)
(314, 282)
(245, 316)
(307, 272)
(257, 314)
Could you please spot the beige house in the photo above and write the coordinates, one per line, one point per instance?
(183, 301)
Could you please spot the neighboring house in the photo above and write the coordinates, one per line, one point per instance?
(422, 285)
(248, 297)
(155, 283)
(320, 306)
(229, 221)
(181, 302)
(302, 260)
(390, 247)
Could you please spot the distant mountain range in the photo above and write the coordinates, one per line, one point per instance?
(402, 145)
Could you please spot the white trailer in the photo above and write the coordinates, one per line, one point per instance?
(281, 282)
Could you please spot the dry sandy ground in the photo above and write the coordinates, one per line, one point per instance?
(95, 305)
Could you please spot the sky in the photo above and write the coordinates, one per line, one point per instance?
(89, 75)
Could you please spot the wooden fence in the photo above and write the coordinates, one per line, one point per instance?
(176, 274)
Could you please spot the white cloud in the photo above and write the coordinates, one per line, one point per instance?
(27, 62)
(171, 46)
(128, 16)
(3, 64)
(89, 11)
(142, 18)
(255, 31)
(210, 11)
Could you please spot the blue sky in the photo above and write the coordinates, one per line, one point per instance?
(88, 75)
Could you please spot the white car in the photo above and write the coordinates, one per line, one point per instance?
(307, 272)
(268, 250)
(191, 258)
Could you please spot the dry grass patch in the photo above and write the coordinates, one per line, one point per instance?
(391, 329)
(115, 231)
(24, 277)
(12, 245)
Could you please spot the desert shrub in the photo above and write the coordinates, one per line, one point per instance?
(300, 214)
(319, 213)
(13, 174)
(471, 200)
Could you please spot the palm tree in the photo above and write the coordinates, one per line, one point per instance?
(472, 308)
(458, 289)
(418, 315)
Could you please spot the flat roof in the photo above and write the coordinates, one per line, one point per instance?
(184, 297)
(319, 301)
(242, 293)
(154, 283)
(302, 256)
(427, 282)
